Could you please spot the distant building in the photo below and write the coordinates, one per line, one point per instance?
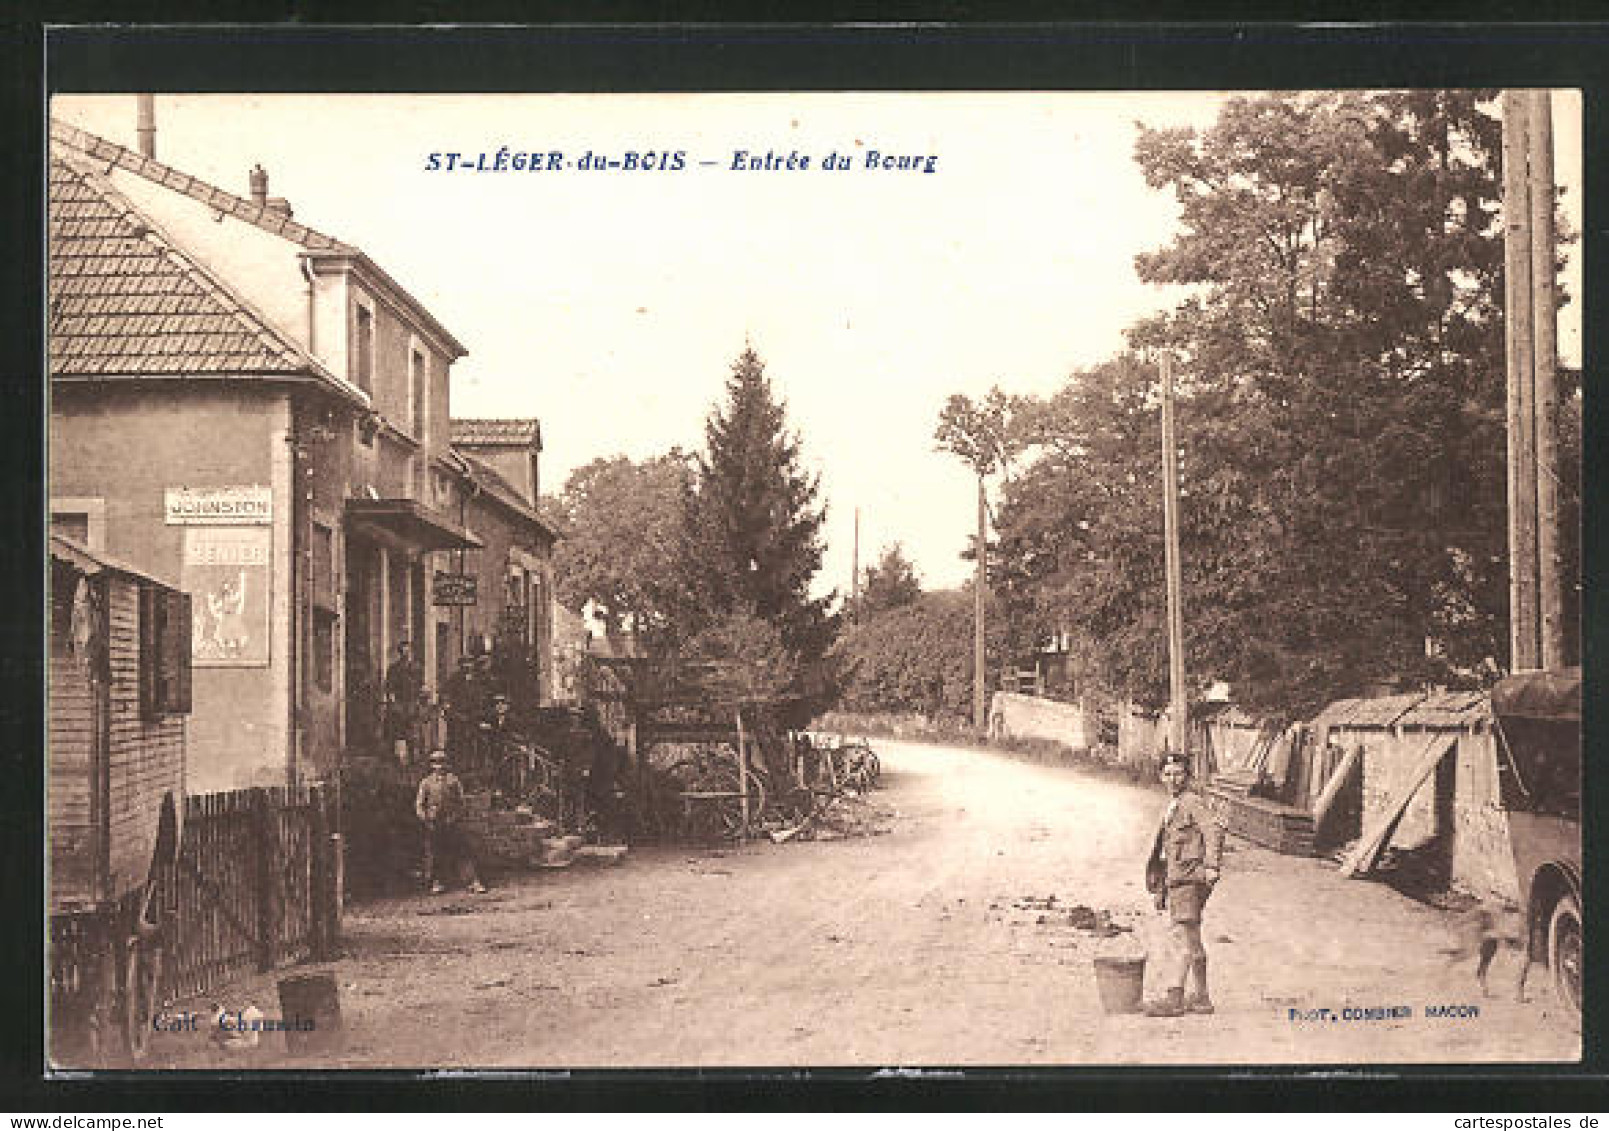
(262, 412)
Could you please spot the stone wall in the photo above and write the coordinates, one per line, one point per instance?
(1026, 716)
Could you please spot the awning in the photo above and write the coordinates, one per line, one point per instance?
(410, 521)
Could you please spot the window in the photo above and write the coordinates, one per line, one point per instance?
(81, 519)
(418, 393)
(164, 652)
(324, 586)
(74, 526)
(324, 649)
(364, 360)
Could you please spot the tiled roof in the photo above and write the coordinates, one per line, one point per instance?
(494, 484)
(63, 134)
(125, 301)
(109, 155)
(495, 432)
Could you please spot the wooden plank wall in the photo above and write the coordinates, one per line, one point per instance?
(147, 755)
(69, 745)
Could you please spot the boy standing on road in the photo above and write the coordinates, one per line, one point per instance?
(1182, 872)
(440, 805)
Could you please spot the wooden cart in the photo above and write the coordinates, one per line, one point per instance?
(119, 693)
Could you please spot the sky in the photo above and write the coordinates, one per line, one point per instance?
(611, 304)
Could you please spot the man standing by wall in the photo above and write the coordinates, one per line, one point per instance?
(1181, 873)
(404, 690)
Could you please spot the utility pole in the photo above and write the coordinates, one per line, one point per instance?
(1524, 639)
(854, 562)
(1545, 347)
(1178, 732)
(980, 706)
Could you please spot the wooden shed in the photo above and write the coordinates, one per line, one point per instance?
(118, 695)
(1430, 785)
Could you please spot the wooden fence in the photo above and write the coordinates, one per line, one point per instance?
(253, 887)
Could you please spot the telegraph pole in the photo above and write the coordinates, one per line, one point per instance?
(1177, 727)
(980, 706)
(854, 562)
(1524, 639)
(1545, 347)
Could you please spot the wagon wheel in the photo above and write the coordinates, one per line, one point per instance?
(730, 809)
(142, 970)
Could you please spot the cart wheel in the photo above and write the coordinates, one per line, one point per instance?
(1564, 950)
(141, 970)
(730, 809)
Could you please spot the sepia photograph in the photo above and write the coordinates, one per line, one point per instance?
(778, 580)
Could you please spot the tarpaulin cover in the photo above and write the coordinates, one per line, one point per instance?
(1552, 695)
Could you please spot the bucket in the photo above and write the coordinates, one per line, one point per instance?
(1121, 982)
(311, 1007)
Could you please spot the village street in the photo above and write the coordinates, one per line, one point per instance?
(934, 943)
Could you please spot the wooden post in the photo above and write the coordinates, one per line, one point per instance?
(264, 846)
(1178, 735)
(1545, 348)
(854, 562)
(743, 769)
(323, 875)
(1523, 637)
(980, 706)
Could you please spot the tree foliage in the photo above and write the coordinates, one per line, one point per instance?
(914, 657)
(1341, 413)
(753, 523)
(621, 550)
(979, 433)
(890, 584)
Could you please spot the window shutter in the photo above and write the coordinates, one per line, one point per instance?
(176, 653)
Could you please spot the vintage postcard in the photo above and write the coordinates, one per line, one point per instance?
(801, 579)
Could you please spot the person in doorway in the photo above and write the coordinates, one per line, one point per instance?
(1181, 873)
(440, 807)
(465, 708)
(404, 695)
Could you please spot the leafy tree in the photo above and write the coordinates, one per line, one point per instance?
(1340, 412)
(622, 526)
(745, 657)
(753, 525)
(890, 584)
(914, 657)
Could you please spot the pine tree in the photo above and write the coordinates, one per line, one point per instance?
(753, 521)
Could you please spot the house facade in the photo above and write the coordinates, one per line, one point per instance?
(262, 412)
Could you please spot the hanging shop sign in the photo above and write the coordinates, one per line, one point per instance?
(454, 589)
(218, 506)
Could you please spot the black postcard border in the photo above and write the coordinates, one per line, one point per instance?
(276, 48)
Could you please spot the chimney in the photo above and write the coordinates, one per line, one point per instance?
(145, 124)
(259, 186)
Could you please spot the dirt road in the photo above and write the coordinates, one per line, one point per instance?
(934, 944)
